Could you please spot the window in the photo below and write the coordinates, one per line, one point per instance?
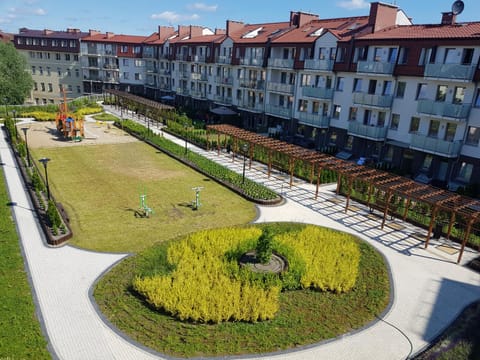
(77, 73)
(414, 124)
(50, 87)
(388, 154)
(39, 55)
(305, 80)
(427, 162)
(35, 86)
(138, 76)
(382, 115)
(372, 86)
(138, 63)
(69, 88)
(58, 56)
(401, 86)
(332, 140)
(340, 83)
(467, 56)
(40, 70)
(465, 172)
(367, 117)
(473, 136)
(137, 50)
(450, 132)
(341, 55)
(63, 43)
(459, 95)
(392, 55)
(32, 54)
(387, 88)
(421, 91)
(79, 89)
(72, 43)
(67, 57)
(352, 113)
(48, 71)
(124, 49)
(433, 128)
(337, 109)
(55, 43)
(349, 143)
(125, 62)
(357, 85)
(395, 122)
(441, 93)
(315, 107)
(302, 105)
(75, 57)
(34, 70)
(125, 75)
(42, 86)
(477, 99)
(403, 56)
(69, 72)
(59, 71)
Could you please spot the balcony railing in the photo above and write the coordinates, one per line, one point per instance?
(322, 65)
(258, 61)
(318, 92)
(375, 133)
(315, 120)
(151, 68)
(252, 106)
(375, 67)
(164, 86)
(279, 111)
(281, 63)
(226, 80)
(181, 91)
(435, 146)
(185, 74)
(198, 94)
(383, 101)
(224, 99)
(252, 84)
(450, 71)
(199, 58)
(199, 77)
(279, 87)
(224, 60)
(443, 109)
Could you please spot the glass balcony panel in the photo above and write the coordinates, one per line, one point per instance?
(315, 120)
(279, 87)
(322, 65)
(383, 101)
(367, 131)
(375, 67)
(319, 93)
(279, 110)
(281, 63)
(443, 109)
(450, 71)
(435, 146)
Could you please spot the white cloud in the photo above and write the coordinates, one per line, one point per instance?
(202, 7)
(173, 17)
(39, 11)
(354, 4)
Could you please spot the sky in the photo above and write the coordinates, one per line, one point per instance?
(142, 17)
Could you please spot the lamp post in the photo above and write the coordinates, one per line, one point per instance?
(185, 128)
(244, 150)
(45, 161)
(25, 129)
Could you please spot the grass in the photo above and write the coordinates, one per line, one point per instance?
(305, 317)
(100, 187)
(20, 334)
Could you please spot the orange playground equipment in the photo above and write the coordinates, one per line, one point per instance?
(68, 124)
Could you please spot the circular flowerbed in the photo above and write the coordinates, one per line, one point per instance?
(200, 302)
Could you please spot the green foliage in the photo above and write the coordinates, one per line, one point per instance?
(88, 110)
(105, 117)
(53, 216)
(264, 247)
(15, 82)
(22, 149)
(20, 334)
(37, 182)
(40, 115)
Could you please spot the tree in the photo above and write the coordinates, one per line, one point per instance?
(15, 81)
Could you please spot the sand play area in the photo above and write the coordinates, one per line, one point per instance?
(45, 134)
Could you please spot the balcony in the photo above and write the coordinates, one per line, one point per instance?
(198, 94)
(320, 65)
(111, 66)
(164, 86)
(258, 61)
(318, 93)
(278, 110)
(458, 112)
(370, 132)
(381, 101)
(252, 106)
(183, 91)
(279, 87)
(226, 100)
(281, 63)
(252, 84)
(223, 60)
(449, 149)
(151, 68)
(375, 67)
(450, 71)
(224, 80)
(315, 120)
(199, 77)
(199, 58)
(185, 74)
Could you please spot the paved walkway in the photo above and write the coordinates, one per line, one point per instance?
(430, 290)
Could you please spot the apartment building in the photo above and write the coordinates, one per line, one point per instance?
(53, 58)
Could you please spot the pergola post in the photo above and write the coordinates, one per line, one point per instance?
(465, 239)
(312, 171)
(349, 191)
(339, 181)
(269, 163)
(450, 225)
(370, 190)
(218, 143)
(430, 228)
(385, 211)
(319, 174)
(405, 213)
(251, 149)
(235, 148)
(291, 169)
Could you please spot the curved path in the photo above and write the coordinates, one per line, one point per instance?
(430, 290)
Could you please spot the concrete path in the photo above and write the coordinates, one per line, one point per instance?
(430, 290)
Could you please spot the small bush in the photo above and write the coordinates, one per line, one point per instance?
(40, 115)
(52, 214)
(264, 247)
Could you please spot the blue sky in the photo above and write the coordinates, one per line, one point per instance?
(142, 17)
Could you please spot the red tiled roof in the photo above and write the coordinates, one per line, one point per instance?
(267, 31)
(204, 39)
(124, 39)
(456, 31)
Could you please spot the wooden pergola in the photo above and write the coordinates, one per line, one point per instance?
(389, 184)
(122, 97)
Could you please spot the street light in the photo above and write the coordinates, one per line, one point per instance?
(25, 129)
(244, 150)
(45, 161)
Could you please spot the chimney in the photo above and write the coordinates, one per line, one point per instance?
(220, 31)
(165, 32)
(298, 19)
(382, 16)
(47, 32)
(233, 26)
(196, 31)
(109, 35)
(93, 32)
(73, 31)
(448, 18)
(183, 31)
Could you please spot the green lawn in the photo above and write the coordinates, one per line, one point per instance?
(100, 187)
(20, 334)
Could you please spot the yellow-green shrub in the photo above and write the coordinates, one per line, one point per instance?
(331, 258)
(88, 111)
(40, 115)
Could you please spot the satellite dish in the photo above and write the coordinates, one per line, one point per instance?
(458, 7)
